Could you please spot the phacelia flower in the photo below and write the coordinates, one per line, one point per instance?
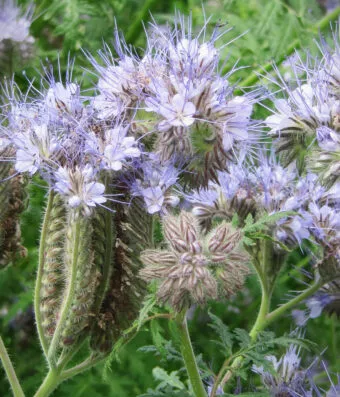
(153, 182)
(79, 187)
(289, 379)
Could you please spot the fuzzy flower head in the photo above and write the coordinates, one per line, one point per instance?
(190, 109)
(195, 268)
(35, 149)
(79, 188)
(64, 99)
(306, 122)
(263, 188)
(289, 379)
(154, 182)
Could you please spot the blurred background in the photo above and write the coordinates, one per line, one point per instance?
(59, 30)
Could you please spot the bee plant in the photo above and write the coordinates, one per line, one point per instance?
(162, 187)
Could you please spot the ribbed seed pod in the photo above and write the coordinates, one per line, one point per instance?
(12, 197)
(133, 229)
(86, 279)
(101, 338)
(52, 282)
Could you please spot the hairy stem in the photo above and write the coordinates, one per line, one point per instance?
(189, 356)
(262, 322)
(275, 314)
(85, 365)
(100, 294)
(50, 383)
(58, 375)
(37, 297)
(262, 263)
(66, 306)
(10, 372)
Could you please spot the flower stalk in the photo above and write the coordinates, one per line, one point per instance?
(189, 356)
(10, 372)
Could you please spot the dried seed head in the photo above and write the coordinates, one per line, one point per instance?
(196, 267)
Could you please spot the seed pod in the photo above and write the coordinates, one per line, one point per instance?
(52, 283)
(86, 280)
(102, 336)
(125, 291)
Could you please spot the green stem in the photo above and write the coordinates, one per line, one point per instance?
(41, 265)
(85, 365)
(257, 327)
(290, 304)
(189, 356)
(67, 355)
(262, 263)
(219, 376)
(263, 321)
(50, 383)
(255, 76)
(67, 303)
(56, 375)
(264, 309)
(10, 372)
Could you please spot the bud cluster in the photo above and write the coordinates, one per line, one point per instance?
(196, 267)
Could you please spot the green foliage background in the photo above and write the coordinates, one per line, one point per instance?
(62, 28)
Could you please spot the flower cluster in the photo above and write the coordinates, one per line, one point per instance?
(307, 121)
(260, 188)
(195, 267)
(60, 136)
(179, 96)
(153, 182)
(290, 379)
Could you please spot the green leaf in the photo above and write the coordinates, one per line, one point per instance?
(243, 337)
(168, 392)
(222, 330)
(157, 337)
(149, 303)
(167, 379)
(264, 221)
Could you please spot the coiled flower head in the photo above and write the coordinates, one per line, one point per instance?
(195, 267)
